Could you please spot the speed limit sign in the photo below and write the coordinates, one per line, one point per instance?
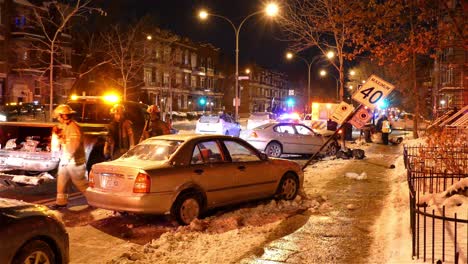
(373, 91)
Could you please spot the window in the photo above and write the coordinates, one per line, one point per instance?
(37, 88)
(178, 78)
(202, 82)
(20, 21)
(207, 152)
(284, 129)
(240, 153)
(166, 78)
(194, 81)
(303, 130)
(194, 60)
(186, 57)
(187, 79)
(147, 76)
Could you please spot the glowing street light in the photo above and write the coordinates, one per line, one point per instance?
(270, 10)
(149, 37)
(442, 102)
(352, 73)
(289, 55)
(323, 73)
(247, 71)
(330, 54)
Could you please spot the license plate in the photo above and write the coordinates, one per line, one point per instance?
(109, 182)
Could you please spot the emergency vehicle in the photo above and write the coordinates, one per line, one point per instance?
(319, 115)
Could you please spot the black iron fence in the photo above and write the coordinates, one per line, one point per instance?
(439, 223)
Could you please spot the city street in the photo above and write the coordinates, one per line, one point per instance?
(331, 222)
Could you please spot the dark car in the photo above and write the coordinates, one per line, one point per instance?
(31, 233)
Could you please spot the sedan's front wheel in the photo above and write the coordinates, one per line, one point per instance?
(274, 150)
(332, 148)
(186, 208)
(35, 251)
(288, 187)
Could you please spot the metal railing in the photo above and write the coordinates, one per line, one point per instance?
(439, 233)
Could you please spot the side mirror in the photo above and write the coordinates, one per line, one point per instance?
(263, 156)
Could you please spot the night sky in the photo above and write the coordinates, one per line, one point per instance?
(260, 38)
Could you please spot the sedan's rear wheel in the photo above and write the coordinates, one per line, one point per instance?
(35, 251)
(288, 187)
(274, 149)
(186, 208)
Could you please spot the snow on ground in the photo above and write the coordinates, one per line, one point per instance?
(205, 239)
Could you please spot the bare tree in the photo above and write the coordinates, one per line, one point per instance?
(125, 48)
(324, 24)
(54, 24)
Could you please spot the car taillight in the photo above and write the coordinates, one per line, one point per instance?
(91, 179)
(253, 134)
(142, 183)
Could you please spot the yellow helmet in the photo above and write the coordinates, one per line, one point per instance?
(117, 109)
(153, 109)
(63, 109)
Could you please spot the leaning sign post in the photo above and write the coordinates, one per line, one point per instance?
(374, 90)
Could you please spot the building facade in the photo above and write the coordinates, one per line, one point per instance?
(24, 58)
(261, 90)
(180, 72)
(450, 68)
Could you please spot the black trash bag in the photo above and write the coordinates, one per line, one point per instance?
(344, 154)
(358, 154)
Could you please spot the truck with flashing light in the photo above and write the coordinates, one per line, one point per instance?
(25, 147)
(319, 115)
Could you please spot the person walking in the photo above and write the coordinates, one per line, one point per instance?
(120, 137)
(72, 155)
(385, 130)
(154, 126)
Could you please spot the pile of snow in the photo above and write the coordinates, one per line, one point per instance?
(356, 176)
(203, 240)
(455, 198)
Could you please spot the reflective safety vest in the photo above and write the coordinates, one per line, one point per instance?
(385, 126)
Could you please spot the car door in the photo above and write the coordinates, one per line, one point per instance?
(254, 177)
(286, 135)
(311, 143)
(213, 171)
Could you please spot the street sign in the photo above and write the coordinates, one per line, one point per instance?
(342, 111)
(243, 78)
(373, 91)
(234, 101)
(361, 117)
(290, 92)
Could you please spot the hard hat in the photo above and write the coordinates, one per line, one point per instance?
(153, 109)
(63, 109)
(117, 108)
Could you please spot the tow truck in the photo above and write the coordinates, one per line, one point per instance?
(26, 155)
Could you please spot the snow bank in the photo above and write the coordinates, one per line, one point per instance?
(203, 240)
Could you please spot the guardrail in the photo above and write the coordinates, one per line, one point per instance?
(439, 227)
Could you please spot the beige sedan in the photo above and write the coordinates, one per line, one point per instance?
(186, 174)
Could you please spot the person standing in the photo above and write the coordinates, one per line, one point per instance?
(385, 130)
(72, 155)
(120, 136)
(154, 126)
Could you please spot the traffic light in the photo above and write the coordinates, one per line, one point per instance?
(202, 101)
(290, 102)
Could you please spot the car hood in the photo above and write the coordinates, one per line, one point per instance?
(286, 163)
(20, 209)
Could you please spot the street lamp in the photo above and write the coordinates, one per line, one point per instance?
(330, 54)
(352, 73)
(247, 71)
(290, 56)
(323, 73)
(270, 10)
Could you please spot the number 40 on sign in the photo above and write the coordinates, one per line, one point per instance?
(373, 91)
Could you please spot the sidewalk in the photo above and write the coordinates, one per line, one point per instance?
(341, 234)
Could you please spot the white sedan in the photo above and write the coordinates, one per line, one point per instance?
(288, 138)
(218, 124)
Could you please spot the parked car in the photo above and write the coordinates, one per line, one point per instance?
(260, 118)
(31, 233)
(289, 117)
(222, 124)
(22, 111)
(288, 138)
(184, 175)
(406, 121)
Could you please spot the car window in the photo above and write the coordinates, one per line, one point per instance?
(303, 130)
(240, 153)
(153, 149)
(207, 152)
(209, 119)
(288, 129)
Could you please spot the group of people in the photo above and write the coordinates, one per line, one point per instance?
(119, 139)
